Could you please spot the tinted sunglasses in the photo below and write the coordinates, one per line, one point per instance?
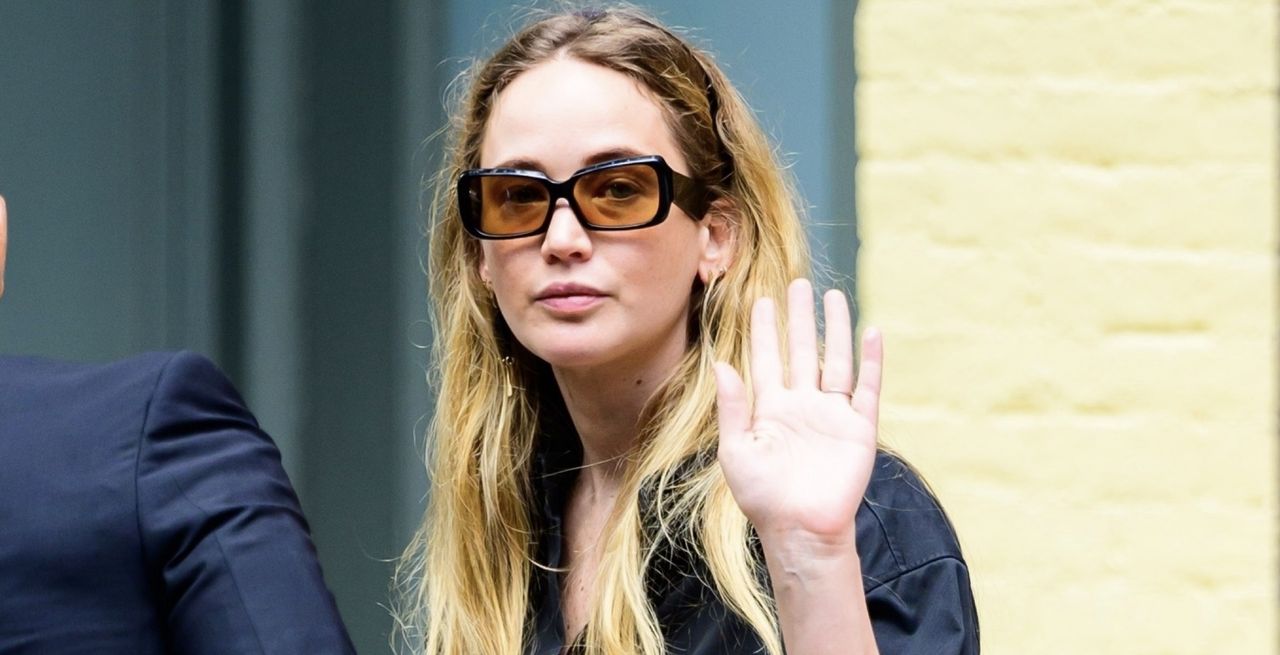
(623, 194)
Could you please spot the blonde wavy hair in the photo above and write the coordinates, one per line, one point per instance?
(462, 586)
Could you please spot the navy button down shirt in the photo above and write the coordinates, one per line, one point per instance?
(916, 581)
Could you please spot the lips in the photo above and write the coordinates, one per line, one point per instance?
(568, 296)
(567, 290)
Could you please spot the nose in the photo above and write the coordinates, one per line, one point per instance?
(566, 239)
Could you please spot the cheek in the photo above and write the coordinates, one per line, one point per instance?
(677, 256)
(507, 272)
(665, 274)
(496, 263)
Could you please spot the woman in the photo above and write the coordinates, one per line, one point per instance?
(602, 476)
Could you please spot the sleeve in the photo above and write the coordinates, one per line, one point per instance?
(224, 537)
(927, 610)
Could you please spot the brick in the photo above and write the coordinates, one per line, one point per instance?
(1215, 42)
(1093, 124)
(1066, 285)
(1103, 590)
(965, 202)
(1118, 578)
(1133, 459)
(1014, 374)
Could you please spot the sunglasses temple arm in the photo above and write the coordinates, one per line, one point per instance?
(693, 197)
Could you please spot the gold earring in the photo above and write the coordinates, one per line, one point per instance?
(507, 363)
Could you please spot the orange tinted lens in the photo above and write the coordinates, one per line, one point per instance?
(618, 197)
(511, 204)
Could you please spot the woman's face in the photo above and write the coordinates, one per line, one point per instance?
(579, 298)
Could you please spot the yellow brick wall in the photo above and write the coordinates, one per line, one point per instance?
(1069, 220)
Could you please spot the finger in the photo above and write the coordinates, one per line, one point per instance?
(837, 362)
(766, 361)
(866, 398)
(733, 408)
(802, 336)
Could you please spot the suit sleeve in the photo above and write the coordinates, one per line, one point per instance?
(927, 610)
(223, 533)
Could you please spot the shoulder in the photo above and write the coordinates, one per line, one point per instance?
(38, 372)
(36, 391)
(35, 385)
(186, 371)
(901, 525)
(190, 389)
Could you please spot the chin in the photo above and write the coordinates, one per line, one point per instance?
(567, 344)
(569, 356)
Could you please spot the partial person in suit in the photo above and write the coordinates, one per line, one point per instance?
(142, 511)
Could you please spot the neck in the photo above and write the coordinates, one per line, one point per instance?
(605, 407)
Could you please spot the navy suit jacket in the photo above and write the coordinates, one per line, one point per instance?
(143, 511)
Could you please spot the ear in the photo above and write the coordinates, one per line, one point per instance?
(719, 239)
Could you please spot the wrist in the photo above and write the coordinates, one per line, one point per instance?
(801, 552)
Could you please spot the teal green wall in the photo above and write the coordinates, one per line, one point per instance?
(244, 179)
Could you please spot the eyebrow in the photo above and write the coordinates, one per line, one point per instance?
(608, 154)
(612, 154)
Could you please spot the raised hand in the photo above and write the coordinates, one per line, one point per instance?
(799, 462)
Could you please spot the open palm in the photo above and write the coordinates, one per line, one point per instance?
(799, 461)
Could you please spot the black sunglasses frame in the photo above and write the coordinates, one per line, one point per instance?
(688, 194)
